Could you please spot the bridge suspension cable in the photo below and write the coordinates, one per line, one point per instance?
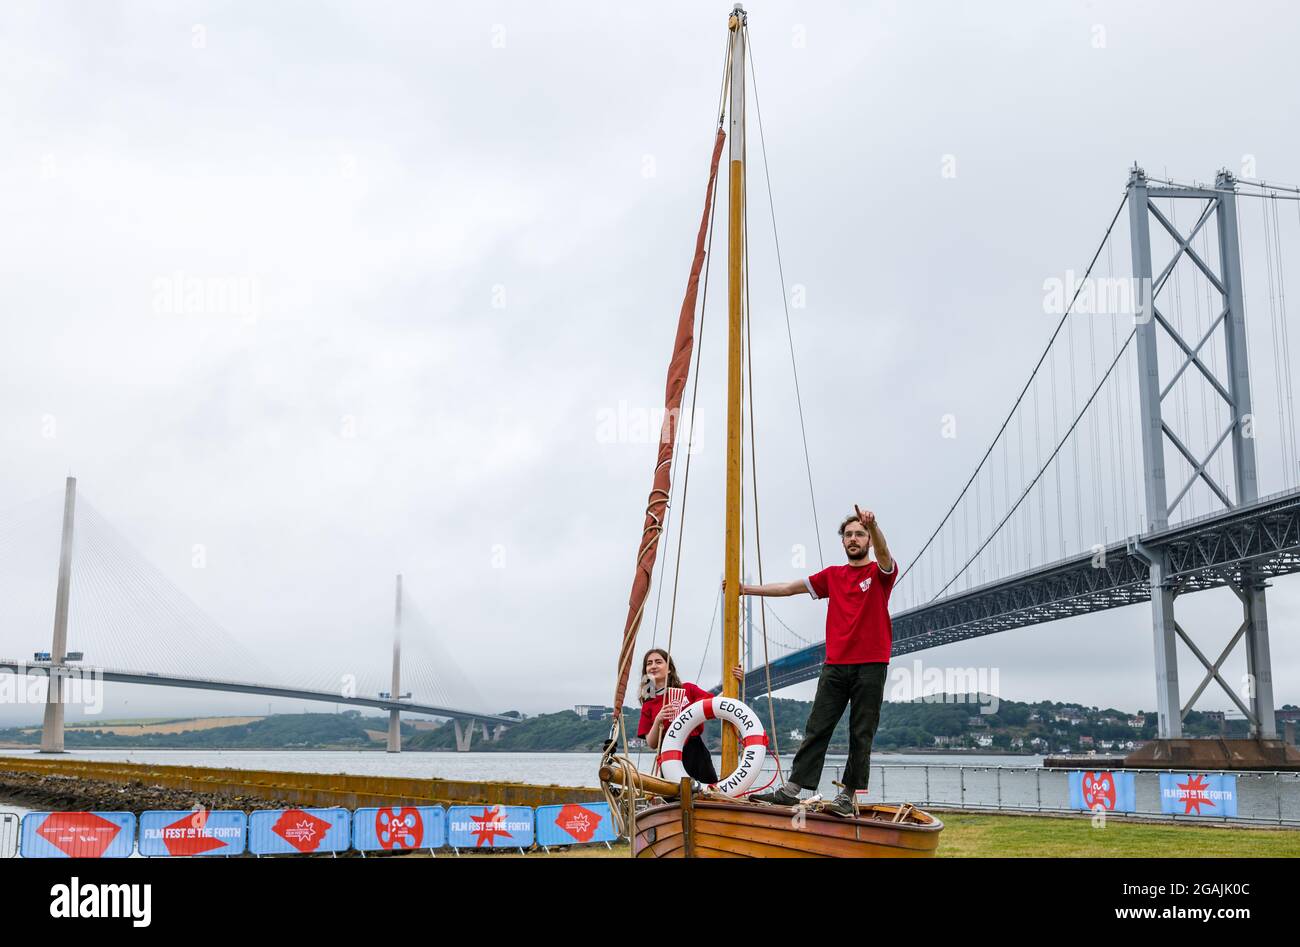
(1029, 384)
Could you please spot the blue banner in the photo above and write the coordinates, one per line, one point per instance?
(1113, 792)
(78, 835)
(575, 824)
(1202, 794)
(173, 833)
(398, 828)
(299, 831)
(490, 827)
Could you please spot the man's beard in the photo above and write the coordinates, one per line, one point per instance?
(861, 553)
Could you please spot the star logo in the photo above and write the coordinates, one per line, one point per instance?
(1195, 793)
(487, 825)
(578, 821)
(302, 830)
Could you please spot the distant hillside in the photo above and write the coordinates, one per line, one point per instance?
(278, 732)
(933, 725)
(560, 732)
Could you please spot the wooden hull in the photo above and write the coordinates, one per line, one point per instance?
(724, 829)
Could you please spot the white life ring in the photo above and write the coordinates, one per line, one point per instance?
(753, 742)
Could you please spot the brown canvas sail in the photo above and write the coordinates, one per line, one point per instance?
(657, 506)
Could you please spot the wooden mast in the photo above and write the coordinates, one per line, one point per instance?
(735, 382)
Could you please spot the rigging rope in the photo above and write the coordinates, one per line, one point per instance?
(785, 300)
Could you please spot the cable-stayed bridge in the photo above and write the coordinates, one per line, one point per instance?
(119, 619)
(1151, 453)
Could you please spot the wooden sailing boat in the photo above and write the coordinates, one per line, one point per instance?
(668, 819)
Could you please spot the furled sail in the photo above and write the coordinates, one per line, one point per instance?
(657, 507)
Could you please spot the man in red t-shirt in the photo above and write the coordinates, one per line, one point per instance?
(858, 641)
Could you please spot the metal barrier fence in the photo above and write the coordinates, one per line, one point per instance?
(9, 829)
(1271, 798)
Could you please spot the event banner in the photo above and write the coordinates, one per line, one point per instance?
(1199, 794)
(165, 834)
(291, 831)
(1113, 792)
(575, 824)
(490, 827)
(78, 835)
(397, 828)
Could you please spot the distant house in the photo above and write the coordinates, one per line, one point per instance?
(977, 722)
(1085, 741)
(1106, 744)
(984, 741)
(593, 711)
(943, 741)
(1137, 721)
(1039, 743)
(1018, 743)
(796, 734)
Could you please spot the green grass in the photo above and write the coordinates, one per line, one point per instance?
(967, 835)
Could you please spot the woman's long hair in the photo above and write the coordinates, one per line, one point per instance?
(646, 683)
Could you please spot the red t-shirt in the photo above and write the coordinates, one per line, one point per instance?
(650, 709)
(858, 630)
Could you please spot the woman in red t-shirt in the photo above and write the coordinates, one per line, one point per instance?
(658, 673)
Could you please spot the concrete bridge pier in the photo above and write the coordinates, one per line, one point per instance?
(463, 737)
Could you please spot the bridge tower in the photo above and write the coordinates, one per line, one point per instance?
(1217, 206)
(52, 730)
(395, 715)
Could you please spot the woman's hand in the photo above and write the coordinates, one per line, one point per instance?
(738, 673)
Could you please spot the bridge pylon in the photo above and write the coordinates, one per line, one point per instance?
(1219, 208)
(52, 729)
(395, 715)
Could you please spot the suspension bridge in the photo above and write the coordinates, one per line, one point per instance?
(1150, 454)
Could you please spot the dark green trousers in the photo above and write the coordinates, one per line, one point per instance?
(862, 688)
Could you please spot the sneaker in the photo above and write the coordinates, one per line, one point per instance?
(779, 797)
(842, 806)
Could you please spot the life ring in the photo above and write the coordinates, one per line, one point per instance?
(753, 742)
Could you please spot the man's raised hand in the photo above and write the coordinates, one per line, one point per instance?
(867, 519)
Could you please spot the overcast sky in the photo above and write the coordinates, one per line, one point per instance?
(458, 235)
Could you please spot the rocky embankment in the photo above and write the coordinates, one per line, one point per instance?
(73, 793)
